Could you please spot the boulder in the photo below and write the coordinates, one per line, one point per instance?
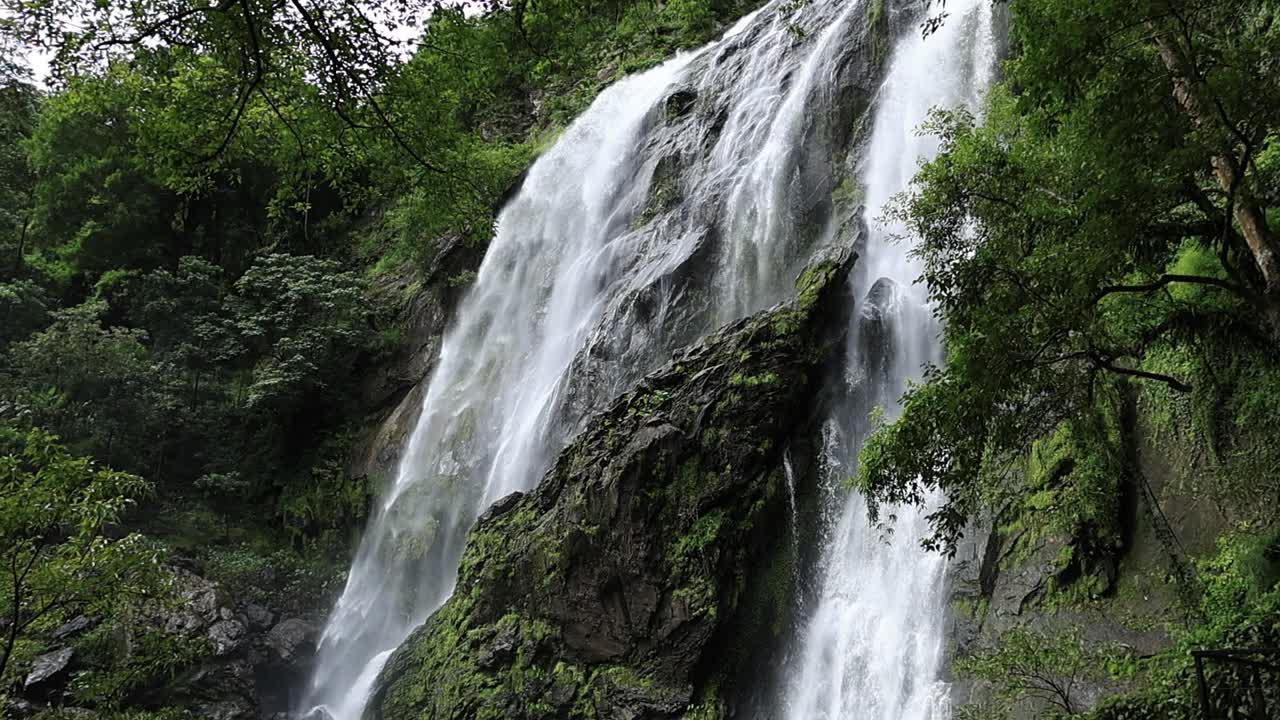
(291, 640)
(49, 670)
(235, 709)
(19, 709)
(227, 636)
(75, 626)
(260, 618)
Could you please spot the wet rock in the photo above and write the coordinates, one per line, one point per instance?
(680, 103)
(260, 618)
(291, 639)
(19, 708)
(49, 669)
(423, 305)
(227, 636)
(203, 599)
(75, 626)
(608, 72)
(227, 710)
(200, 606)
(500, 650)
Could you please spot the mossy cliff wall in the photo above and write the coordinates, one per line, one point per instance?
(631, 581)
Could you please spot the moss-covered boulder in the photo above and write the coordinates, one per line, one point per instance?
(631, 582)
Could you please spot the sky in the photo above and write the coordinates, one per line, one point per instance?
(38, 59)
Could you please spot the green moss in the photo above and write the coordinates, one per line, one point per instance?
(974, 609)
(740, 380)
(878, 29)
(1218, 438)
(691, 548)
(1073, 481)
(848, 193)
(812, 282)
(664, 193)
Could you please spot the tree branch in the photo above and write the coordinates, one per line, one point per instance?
(1169, 279)
(1107, 364)
(159, 26)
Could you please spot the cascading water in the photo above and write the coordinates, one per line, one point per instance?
(684, 197)
(594, 276)
(482, 429)
(873, 645)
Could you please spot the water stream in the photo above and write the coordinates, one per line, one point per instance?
(874, 643)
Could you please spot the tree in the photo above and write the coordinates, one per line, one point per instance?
(188, 323)
(302, 319)
(1082, 230)
(25, 309)
(56, 557)
(89, 382)
(1028, 664)
(18, 103)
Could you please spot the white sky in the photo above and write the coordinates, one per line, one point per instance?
(38, 59)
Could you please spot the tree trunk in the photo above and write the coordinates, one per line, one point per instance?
(1262, 243)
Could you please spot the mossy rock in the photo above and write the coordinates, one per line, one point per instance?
(627, 583)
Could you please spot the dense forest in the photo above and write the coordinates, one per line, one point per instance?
(219, 222)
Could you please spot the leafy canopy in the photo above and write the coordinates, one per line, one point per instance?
(56, 557)
(1096, 215)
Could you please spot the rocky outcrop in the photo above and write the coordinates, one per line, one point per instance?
(242, 666)
(1133, 595)
(252, 666)
(422, 303)
(649, 564)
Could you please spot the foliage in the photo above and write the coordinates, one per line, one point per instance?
(302, 317)
(324, 499)
(54, 508)
(279, 577)
(125, 655)
(1238, 607)
(18, 107)
(90, 383)
(1080, 229)
(1028, 664)
(1072, 491)
(25, 309)
(1219, 433)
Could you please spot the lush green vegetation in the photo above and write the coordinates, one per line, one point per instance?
(194, 210)
(57, 558)
(1101, 247)
(1083, 229)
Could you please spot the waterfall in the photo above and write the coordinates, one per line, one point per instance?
(684, 197)
(873, 645)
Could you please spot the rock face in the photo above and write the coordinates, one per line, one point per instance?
(1165, 526)
(393, 388)
(648, 566)
(249, 667)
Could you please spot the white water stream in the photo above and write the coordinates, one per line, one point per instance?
(647, 225)
(873, 646)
